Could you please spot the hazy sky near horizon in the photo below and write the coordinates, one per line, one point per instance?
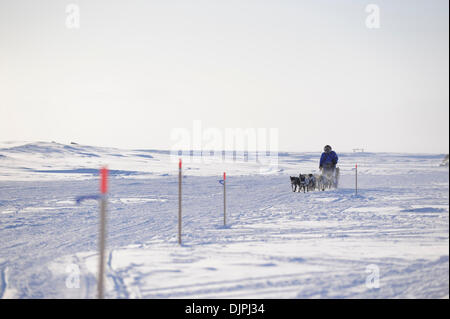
(136, 70)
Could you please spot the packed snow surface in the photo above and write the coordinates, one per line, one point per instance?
(391, 240)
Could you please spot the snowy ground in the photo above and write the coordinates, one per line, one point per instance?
(278, 244)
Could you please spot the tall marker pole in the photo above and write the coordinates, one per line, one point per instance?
(102, 234)
(224, 199)
(179, 201)
(356, 178)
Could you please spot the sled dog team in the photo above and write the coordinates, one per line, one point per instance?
(311, 182)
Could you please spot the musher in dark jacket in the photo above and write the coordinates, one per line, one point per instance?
(328, 162)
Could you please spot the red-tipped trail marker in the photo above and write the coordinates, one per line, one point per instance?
(102, 233)
(179, 201)
(224, 199)
(104, 180)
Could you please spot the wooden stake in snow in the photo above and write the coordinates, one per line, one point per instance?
(356, 178)
(102, 233)
(179, 201)
(224, 199)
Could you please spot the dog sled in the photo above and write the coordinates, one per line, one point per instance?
(328, 179)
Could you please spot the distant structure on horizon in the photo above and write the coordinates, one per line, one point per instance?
(445, 161)
(358, 150)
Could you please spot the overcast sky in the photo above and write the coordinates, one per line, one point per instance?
(135, 70)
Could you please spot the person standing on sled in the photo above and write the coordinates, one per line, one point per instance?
(327, 164)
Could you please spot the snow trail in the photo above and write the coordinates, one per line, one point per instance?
(278, 244)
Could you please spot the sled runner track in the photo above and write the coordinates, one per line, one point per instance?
(120, 288)
(3, 280)
(221, 288)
